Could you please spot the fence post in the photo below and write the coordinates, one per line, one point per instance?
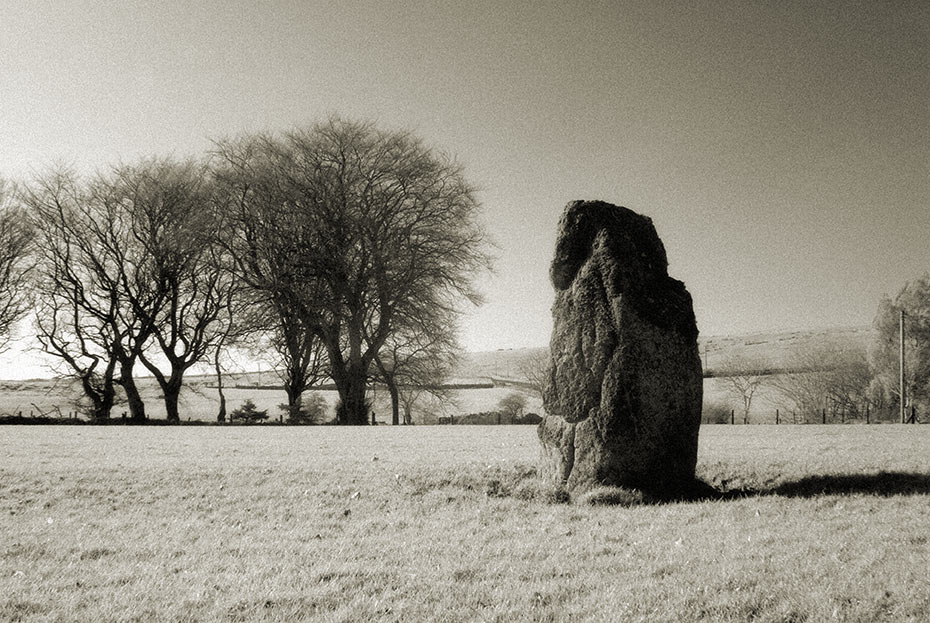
(824, 413)
(867, 414)
(776, 417)
(732, 416)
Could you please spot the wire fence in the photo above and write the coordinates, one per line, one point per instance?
(867, 415)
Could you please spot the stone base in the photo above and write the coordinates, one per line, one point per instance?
(575, 456)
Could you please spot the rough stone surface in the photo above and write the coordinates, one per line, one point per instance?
(623, 397)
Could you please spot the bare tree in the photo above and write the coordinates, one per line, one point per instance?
(417, 358)
(66, 332)
(186, 311)
(535, 369)
(826, 377)
(741, 375)
(235, 328)
(128, 272)
(80, 314)
(16, 235)
(352, 228)
(302, 362)
(409, 398)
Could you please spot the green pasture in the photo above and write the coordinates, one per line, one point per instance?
(812, 523)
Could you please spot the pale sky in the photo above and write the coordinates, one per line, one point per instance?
(781, 148)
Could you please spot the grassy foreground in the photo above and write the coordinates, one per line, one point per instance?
(450, 524)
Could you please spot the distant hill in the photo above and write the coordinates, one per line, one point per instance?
(509, 364)
(776, 347)
(772, 347)
(500, 364)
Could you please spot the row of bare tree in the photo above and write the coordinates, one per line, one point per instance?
(847, 379)
(347, 249)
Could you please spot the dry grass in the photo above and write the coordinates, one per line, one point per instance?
(451, 524)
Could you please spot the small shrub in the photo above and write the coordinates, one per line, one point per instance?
(529, 418)
(715, 413)
(312, 410)
(493, 417)
(341, 412)
(248, 413)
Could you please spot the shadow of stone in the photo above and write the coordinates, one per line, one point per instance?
(697, 491)
(522, 482)
(881, 484)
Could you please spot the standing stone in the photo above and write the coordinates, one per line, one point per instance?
(623, 396)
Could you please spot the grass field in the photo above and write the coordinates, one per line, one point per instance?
(450, 524)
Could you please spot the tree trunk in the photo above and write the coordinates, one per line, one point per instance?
(221, 415)
(294, 388)
(353, 403)
(350, 376)
(172, 393)
(170, 385)
(388, 377)
(103, 405)
(136, 405)
(103, 402)
(353, 409)
(294, 401)
(101, 396)
(395, 400)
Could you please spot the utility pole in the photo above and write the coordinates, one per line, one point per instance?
(901, 394)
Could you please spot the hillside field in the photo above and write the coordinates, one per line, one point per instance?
(452, 524)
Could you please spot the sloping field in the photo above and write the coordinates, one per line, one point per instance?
(505, 364)
(774, 348)
(451, 524)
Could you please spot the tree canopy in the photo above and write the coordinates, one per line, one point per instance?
(16, 237)
(914, 300)
(359, 231)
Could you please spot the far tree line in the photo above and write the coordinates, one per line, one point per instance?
(845, 380)
(346, 250)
